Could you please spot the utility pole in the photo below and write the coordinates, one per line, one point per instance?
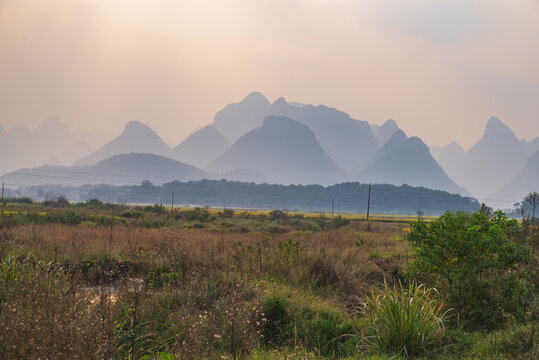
(173, 201)
(332, 206)
(369, 202)
(3, 203)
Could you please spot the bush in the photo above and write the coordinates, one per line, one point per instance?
(468, 257)
(278, 215)
(227, 213)
(339, 222)
(405, 321)
(157, 208)
(293, 320)
(60, 202)
(197, 214)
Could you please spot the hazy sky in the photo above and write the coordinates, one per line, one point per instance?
(440, 68)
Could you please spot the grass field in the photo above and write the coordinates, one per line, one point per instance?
(114, 282)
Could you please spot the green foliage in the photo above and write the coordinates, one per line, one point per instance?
(471, 260)
(227, 213)
(293, 320)
(278, 215)
(60, 202)
(197, 214)
(339, 222)
(405, 321)
(157, 208)
(276, 312)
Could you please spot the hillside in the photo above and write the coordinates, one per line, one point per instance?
(237, 119)
(284, 150)
(526, 181)
(492, 162)
(51, 141)
(384, 133)
(201, 148)
(451, 158)
(130, 168)
(404, 160)
(347, 141)
(136, 137)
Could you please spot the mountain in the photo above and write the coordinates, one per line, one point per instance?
(283, 149)
(136, 137)
(526, 181)
(384, 133)
(492, 162)
(237, 119)
(404, 160)
(118, 170)
(531, 146)
(51, 140)
(347, 141)
(435, 151)
(451, 158)
(201, 148)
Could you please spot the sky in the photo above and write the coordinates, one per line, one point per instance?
(440, 68)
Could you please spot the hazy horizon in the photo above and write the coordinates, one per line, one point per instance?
(434, 67)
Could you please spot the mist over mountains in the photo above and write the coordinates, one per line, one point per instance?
(404, 160)
(201, 148)
(487, 168)
(122, 169)
(285, 150)
(137, 137)
(281, 143)
(53, 142)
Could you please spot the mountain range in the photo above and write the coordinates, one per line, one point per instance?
(498, 159)
(201, 148)
(280, 142)
(283, 149)
(136, 137)
(404, 160)
(53, 142)
(123, 169)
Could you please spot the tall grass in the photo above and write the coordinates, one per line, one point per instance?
(405, 320)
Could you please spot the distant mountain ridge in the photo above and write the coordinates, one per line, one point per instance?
(120, 169)
(489, 164)
(51, 141)
(237, 119)
(526, 181)
(347, 141)
(404, 160)
(136, 137)
(283, 149)
(201, 148)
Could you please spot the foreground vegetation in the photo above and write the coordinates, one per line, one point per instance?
(106, 281)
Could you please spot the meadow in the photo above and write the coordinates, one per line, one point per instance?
(102, 281)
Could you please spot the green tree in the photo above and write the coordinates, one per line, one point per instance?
(470, 259)
(532, 199)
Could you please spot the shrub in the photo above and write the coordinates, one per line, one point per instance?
(339, 222)
(60, 202)
(294, 320)
(197, 214)
(278, 215)
(227, 213)
(276, 312)
(157, 208)
(405, 321)
(467, 256)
